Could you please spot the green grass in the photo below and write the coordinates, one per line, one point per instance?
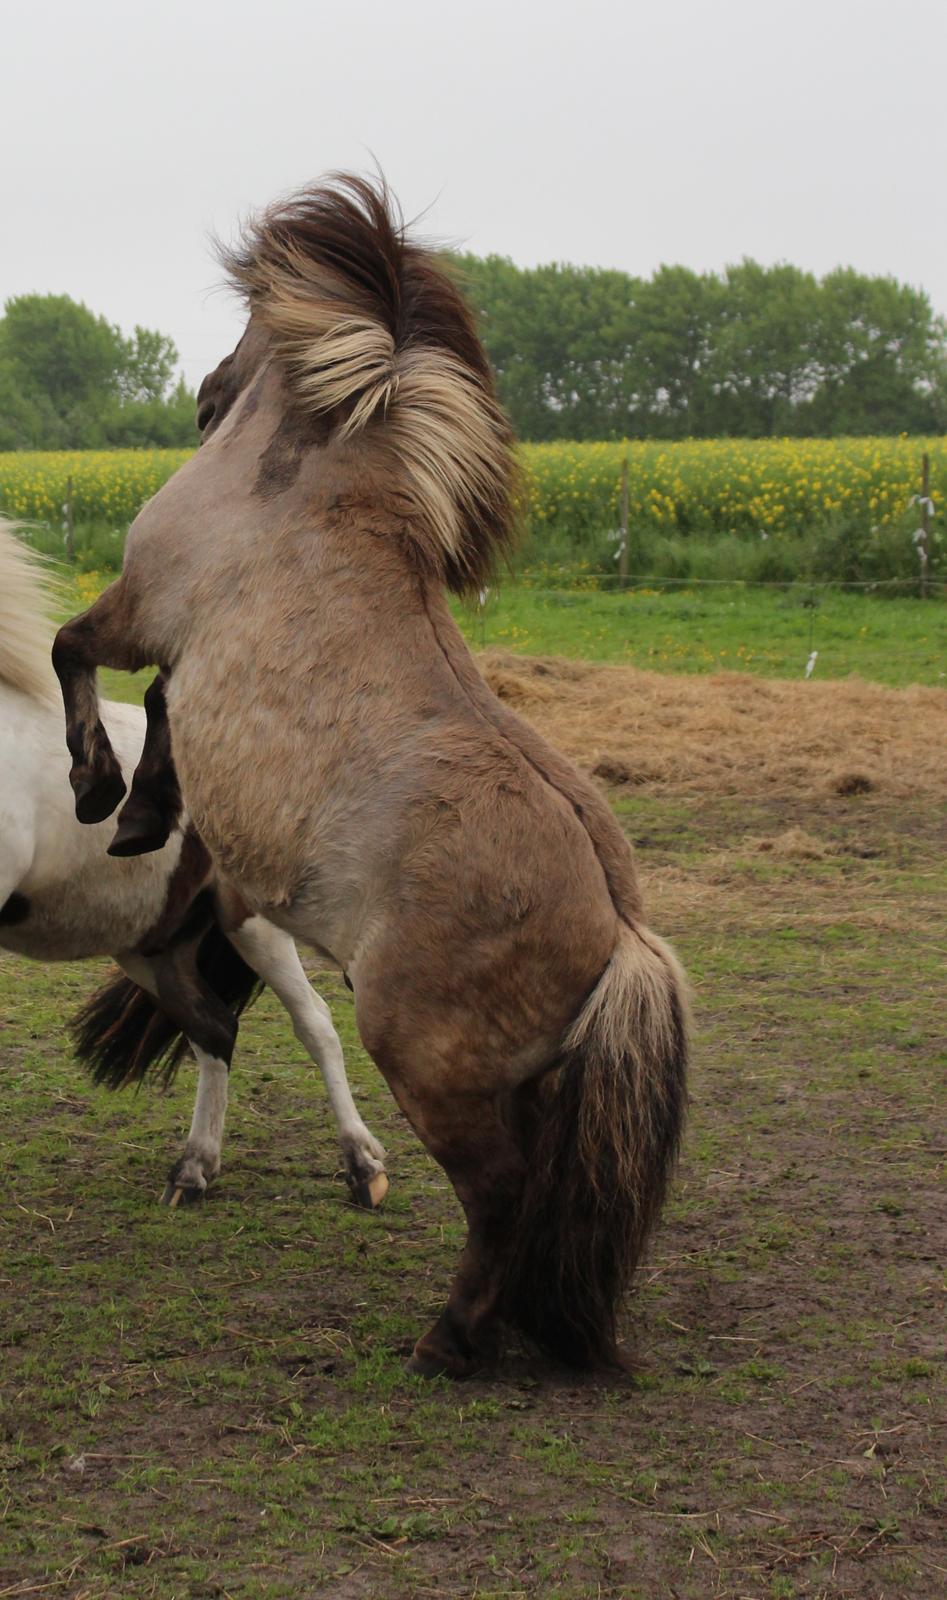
(766, 631)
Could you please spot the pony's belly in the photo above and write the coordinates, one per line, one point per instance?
(328, 918)
(297, 852)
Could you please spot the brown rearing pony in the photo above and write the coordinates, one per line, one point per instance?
(359, 785)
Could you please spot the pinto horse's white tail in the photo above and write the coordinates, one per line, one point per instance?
(602, 1138)
(25, 627)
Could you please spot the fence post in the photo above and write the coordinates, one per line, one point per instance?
(69, 528)
(925, 528)
(623, 525)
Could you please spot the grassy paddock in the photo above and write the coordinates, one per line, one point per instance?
(722, 627)
(212, 1402)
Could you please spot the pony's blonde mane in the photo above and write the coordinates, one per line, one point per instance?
(26, 599)
(374, 335)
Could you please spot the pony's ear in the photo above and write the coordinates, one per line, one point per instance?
(371, 329)
(221, 388)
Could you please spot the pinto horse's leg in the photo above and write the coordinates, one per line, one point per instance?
(97, 637)
(17, 847)
(173, 979)
(199, 1162)
(272, 954)
(153, 808)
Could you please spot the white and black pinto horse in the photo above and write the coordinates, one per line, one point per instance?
(191, 957)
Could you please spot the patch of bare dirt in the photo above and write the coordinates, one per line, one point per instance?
(731, 733)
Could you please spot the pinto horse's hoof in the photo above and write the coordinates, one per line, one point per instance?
(189, 1180)
(182, 1194)
(97, 798)
(178, 1192)
(370, 1192)
(138, 836)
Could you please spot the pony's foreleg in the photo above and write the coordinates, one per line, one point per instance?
(153, 808)
(272, 953)
(96, 638)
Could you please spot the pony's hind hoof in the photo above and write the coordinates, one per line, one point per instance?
(96, 799)
(433, 1364)
(445, 1352)
(424, 1364)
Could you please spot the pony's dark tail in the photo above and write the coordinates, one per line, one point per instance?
(600, 1144)
(123, 1036)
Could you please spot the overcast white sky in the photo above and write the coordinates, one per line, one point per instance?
(620, 135)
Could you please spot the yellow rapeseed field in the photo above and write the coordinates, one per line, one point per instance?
(741, 486)
(106, 485)
(712, 486)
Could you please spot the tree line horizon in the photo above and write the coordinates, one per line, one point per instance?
(579, 353)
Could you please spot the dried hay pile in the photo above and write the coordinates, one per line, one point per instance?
(731, 733)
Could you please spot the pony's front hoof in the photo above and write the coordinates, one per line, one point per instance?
(97, 798)
(365, 1169)
(136, 837)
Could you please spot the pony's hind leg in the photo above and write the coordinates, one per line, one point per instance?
(272, 954)
(153, 808)
(472, 1141)
(97, 637)
(475, 1137)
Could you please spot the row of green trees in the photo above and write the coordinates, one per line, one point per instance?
(70, 380)
(579, 352)
(584, 353)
